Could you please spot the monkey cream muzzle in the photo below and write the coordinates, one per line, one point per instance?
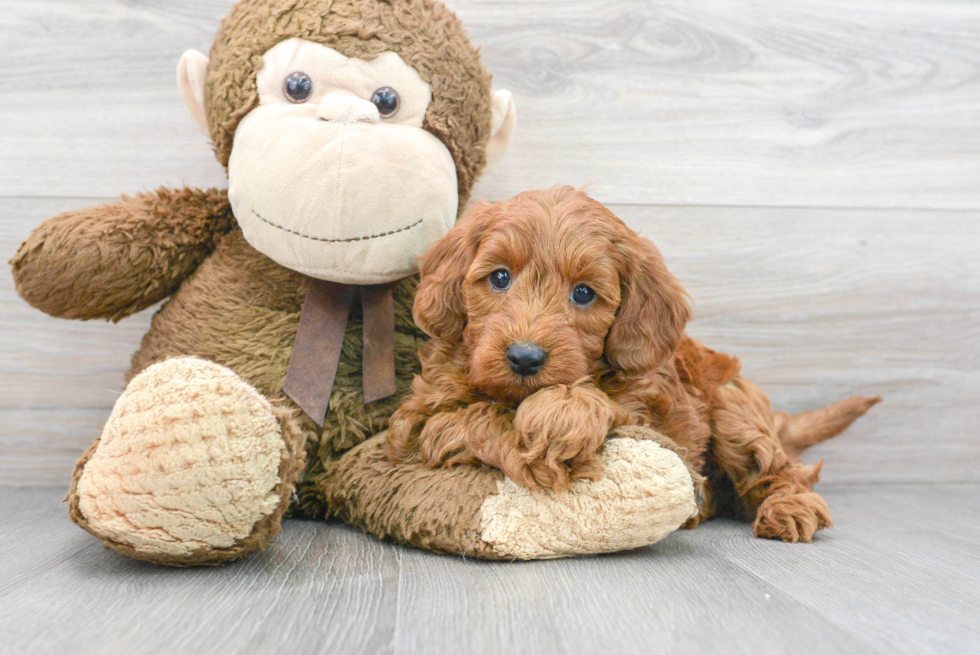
(333, 175)
(317, 195)
(346, 109)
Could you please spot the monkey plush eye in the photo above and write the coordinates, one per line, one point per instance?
(386, 100)
(583, 295)
(500, 279)
(298, 87)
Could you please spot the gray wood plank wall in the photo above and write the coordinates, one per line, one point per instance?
(811, 169)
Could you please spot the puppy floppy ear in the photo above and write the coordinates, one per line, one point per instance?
(438, 308)
(653, 312)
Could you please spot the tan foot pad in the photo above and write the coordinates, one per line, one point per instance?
(188, 461)
(645, 494)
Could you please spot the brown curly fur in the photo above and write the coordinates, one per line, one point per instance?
(622, 360)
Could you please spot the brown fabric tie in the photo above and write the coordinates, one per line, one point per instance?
(320, 336)
(378, 376)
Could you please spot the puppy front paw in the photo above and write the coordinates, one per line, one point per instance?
(559, 433)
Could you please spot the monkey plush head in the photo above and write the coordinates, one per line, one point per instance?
(352, 130)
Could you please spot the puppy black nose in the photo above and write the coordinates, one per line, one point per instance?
(526, 358)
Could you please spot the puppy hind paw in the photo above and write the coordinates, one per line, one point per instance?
(792, 518)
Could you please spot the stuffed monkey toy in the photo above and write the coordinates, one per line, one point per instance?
(352, 133)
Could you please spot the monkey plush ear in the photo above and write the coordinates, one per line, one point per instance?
(503, 122)
(191, 72)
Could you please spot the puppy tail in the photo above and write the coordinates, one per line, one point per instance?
(800, 431)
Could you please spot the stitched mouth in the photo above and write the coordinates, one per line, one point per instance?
(366, 237)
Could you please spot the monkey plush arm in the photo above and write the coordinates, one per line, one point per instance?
(119, 258)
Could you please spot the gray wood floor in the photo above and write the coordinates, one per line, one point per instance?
(899, 573)
(811, 170)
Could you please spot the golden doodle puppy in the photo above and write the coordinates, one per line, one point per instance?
(552, 324)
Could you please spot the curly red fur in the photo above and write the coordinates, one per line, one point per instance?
(622, 359)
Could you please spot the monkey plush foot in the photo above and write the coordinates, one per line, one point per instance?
(646, 493)
(187, 469)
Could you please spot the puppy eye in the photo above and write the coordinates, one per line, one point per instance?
(298, 87)
(387, 101)
(583, 295)
(500, 279)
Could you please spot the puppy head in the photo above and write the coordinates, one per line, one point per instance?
(546, 288)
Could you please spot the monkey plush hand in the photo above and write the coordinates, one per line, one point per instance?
(352, 132)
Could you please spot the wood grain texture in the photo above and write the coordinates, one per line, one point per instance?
(818, 304)
(845, 103)
(899, 573)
